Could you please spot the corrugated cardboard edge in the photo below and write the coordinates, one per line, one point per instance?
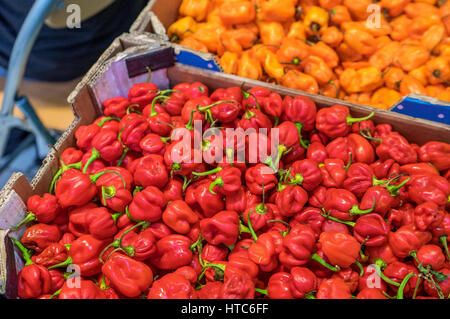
(148, 23)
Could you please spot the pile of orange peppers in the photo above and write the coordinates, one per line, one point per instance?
(362, 51)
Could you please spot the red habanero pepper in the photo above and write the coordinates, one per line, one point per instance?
(153, 144)
(116, 106)
(371, 293)
(84, 136)
(40, 236)
(211, 253)
(222, 228)
(430, 288)
(128, 276)
(241, 200)
(150, 170)
(147, 205)
(333, 172)
(432, 188)
(181, 159)
(105, 145)
(254, 118)
(85, 252)
(53, 254)
(41, 209)
(341, 249)
(305, 173)
(211, 290)
(94, 166)
(430, 255)
(301, 110)
(179, 217)
(142, 94)
(108, 123)
(259, 175)
(227, 181)
(334, 288)
(317, 152)
(383, 200)
(58, 280)
(133, 127)
(342, 204)
(260, 215)
(158, 119)
(226, 112)
(298, 245)
(209, 203)
(175, 102)
(86, 290)
(418, 169)
(303, 284)
(172, 252)
(395, 146)
(188, 272)
(279, 286)
(255, 96)
(367, 127)
(71, 155)
(113, 194)
(95, 221)
(291, 200)
(33, 280)
(317, 197)
(67, 239)
(371, 229)
(384, 169)
(311, 217)
(336, 121)
(436, 153)
(350, 277)
(428, 216)
(237, 284)
(173, 190)
(192, 90)
(406, 239)
(402, 216)
(172, 286)
(360, 178)
(396, 272)
(273, 105)
(138, 245)
(232, 93)
(264, 252)
(362, 150)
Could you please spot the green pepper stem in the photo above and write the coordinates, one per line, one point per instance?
(56, 293)
(349, 223)
(213, 171)
(351, 120)
(394, 189)
(30, 217)
(383, 276)
(95, 177)
(116, 216)
(95, 155)
(443, 240)
(417, 287)
(349, 162)
(262, 291)
(321, 261)
(127, 211)
(297, 181)
(402, 286)
(60, 172)
(26, 253)
(122, 157)
(107, 193)
(356, 211)
(247, 94)
(67, 262)
(153, 111)
(310, 295)
(218, 181)
(252, 232)
(361, 269)
(207, 107)
(305, 144)
(106, 119)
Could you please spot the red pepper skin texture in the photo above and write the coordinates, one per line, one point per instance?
(371, 229)
(133, 128)
(350, 277)
(334, 288)
(256, 119)
(148, 204)
(333, 173)
(341, 249)
(332, 121)
(231, 179)
(437, 153)
(173, 190)
(359, 179)
(279, 286)
(431, 255)
(370, 293)
(418, 169)
(84, 136)
(396, 147)
(311, 217)
(338, 203)
(87, 290)
(259, 175)
(406, 239)
(85, 252)
(273, 105)
(192, 90)
(264, 252)
(172, 286)
(222, 228)
(428, 216)
(291, 200)
(212, 253)
(150, 171)
(33, 281)
(40, 236)
(74, 188)
(317, 197)
(116, 106)
(300, 109)
(71, 155)
(309, 171)
(142, 94)
(172, 252)
(383, 252)
(210, 204)
(444, 285)
(44, 208)
(128, 276)
(179, 217)
(211, 290)
(260, 215)
(108, 145)
(297, 246)
(362, 150)
(95, 221)
(304, 282)
(339, 149)
(241, 200)
(397, 271)
(432, 188)
(317, 152)
(383, 169)
(53, 254)
(370, 280)
(237, 284)
(402, 216)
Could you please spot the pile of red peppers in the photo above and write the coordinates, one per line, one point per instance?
(354, 209)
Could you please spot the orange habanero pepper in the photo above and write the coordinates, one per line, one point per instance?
(358, 9)
(277, 10)
(332, 36)
(271, 33)
(322, 50)
(438, 71)
(178, 30)
(196, 9)
(420, 74)
(433, 36)
(410, 85)
(360, 41)
(384, 98)
(318, 69)
(300, 81)
(384, 57)
(393, 8)
(410, 57)
(361, 80)
(297, 30)
(229, 62)
(400, 28)
(339, 15)
(249, 66)
(194, 44)
(393, 77)
(329, 4)
(292, 51)
(316, 19)
(444, 95)
(237, 12)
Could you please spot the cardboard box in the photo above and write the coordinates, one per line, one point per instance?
(110, 77)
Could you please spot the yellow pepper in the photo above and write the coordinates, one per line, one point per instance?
(385, 98)
(300, 81)
(180, 28)
(196, 9)
(249, 66)
(361, 80)
(316, 19)
(229, 62)
(271, 33)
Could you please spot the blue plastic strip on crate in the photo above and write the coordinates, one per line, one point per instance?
(192, 59)
(423, 109)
